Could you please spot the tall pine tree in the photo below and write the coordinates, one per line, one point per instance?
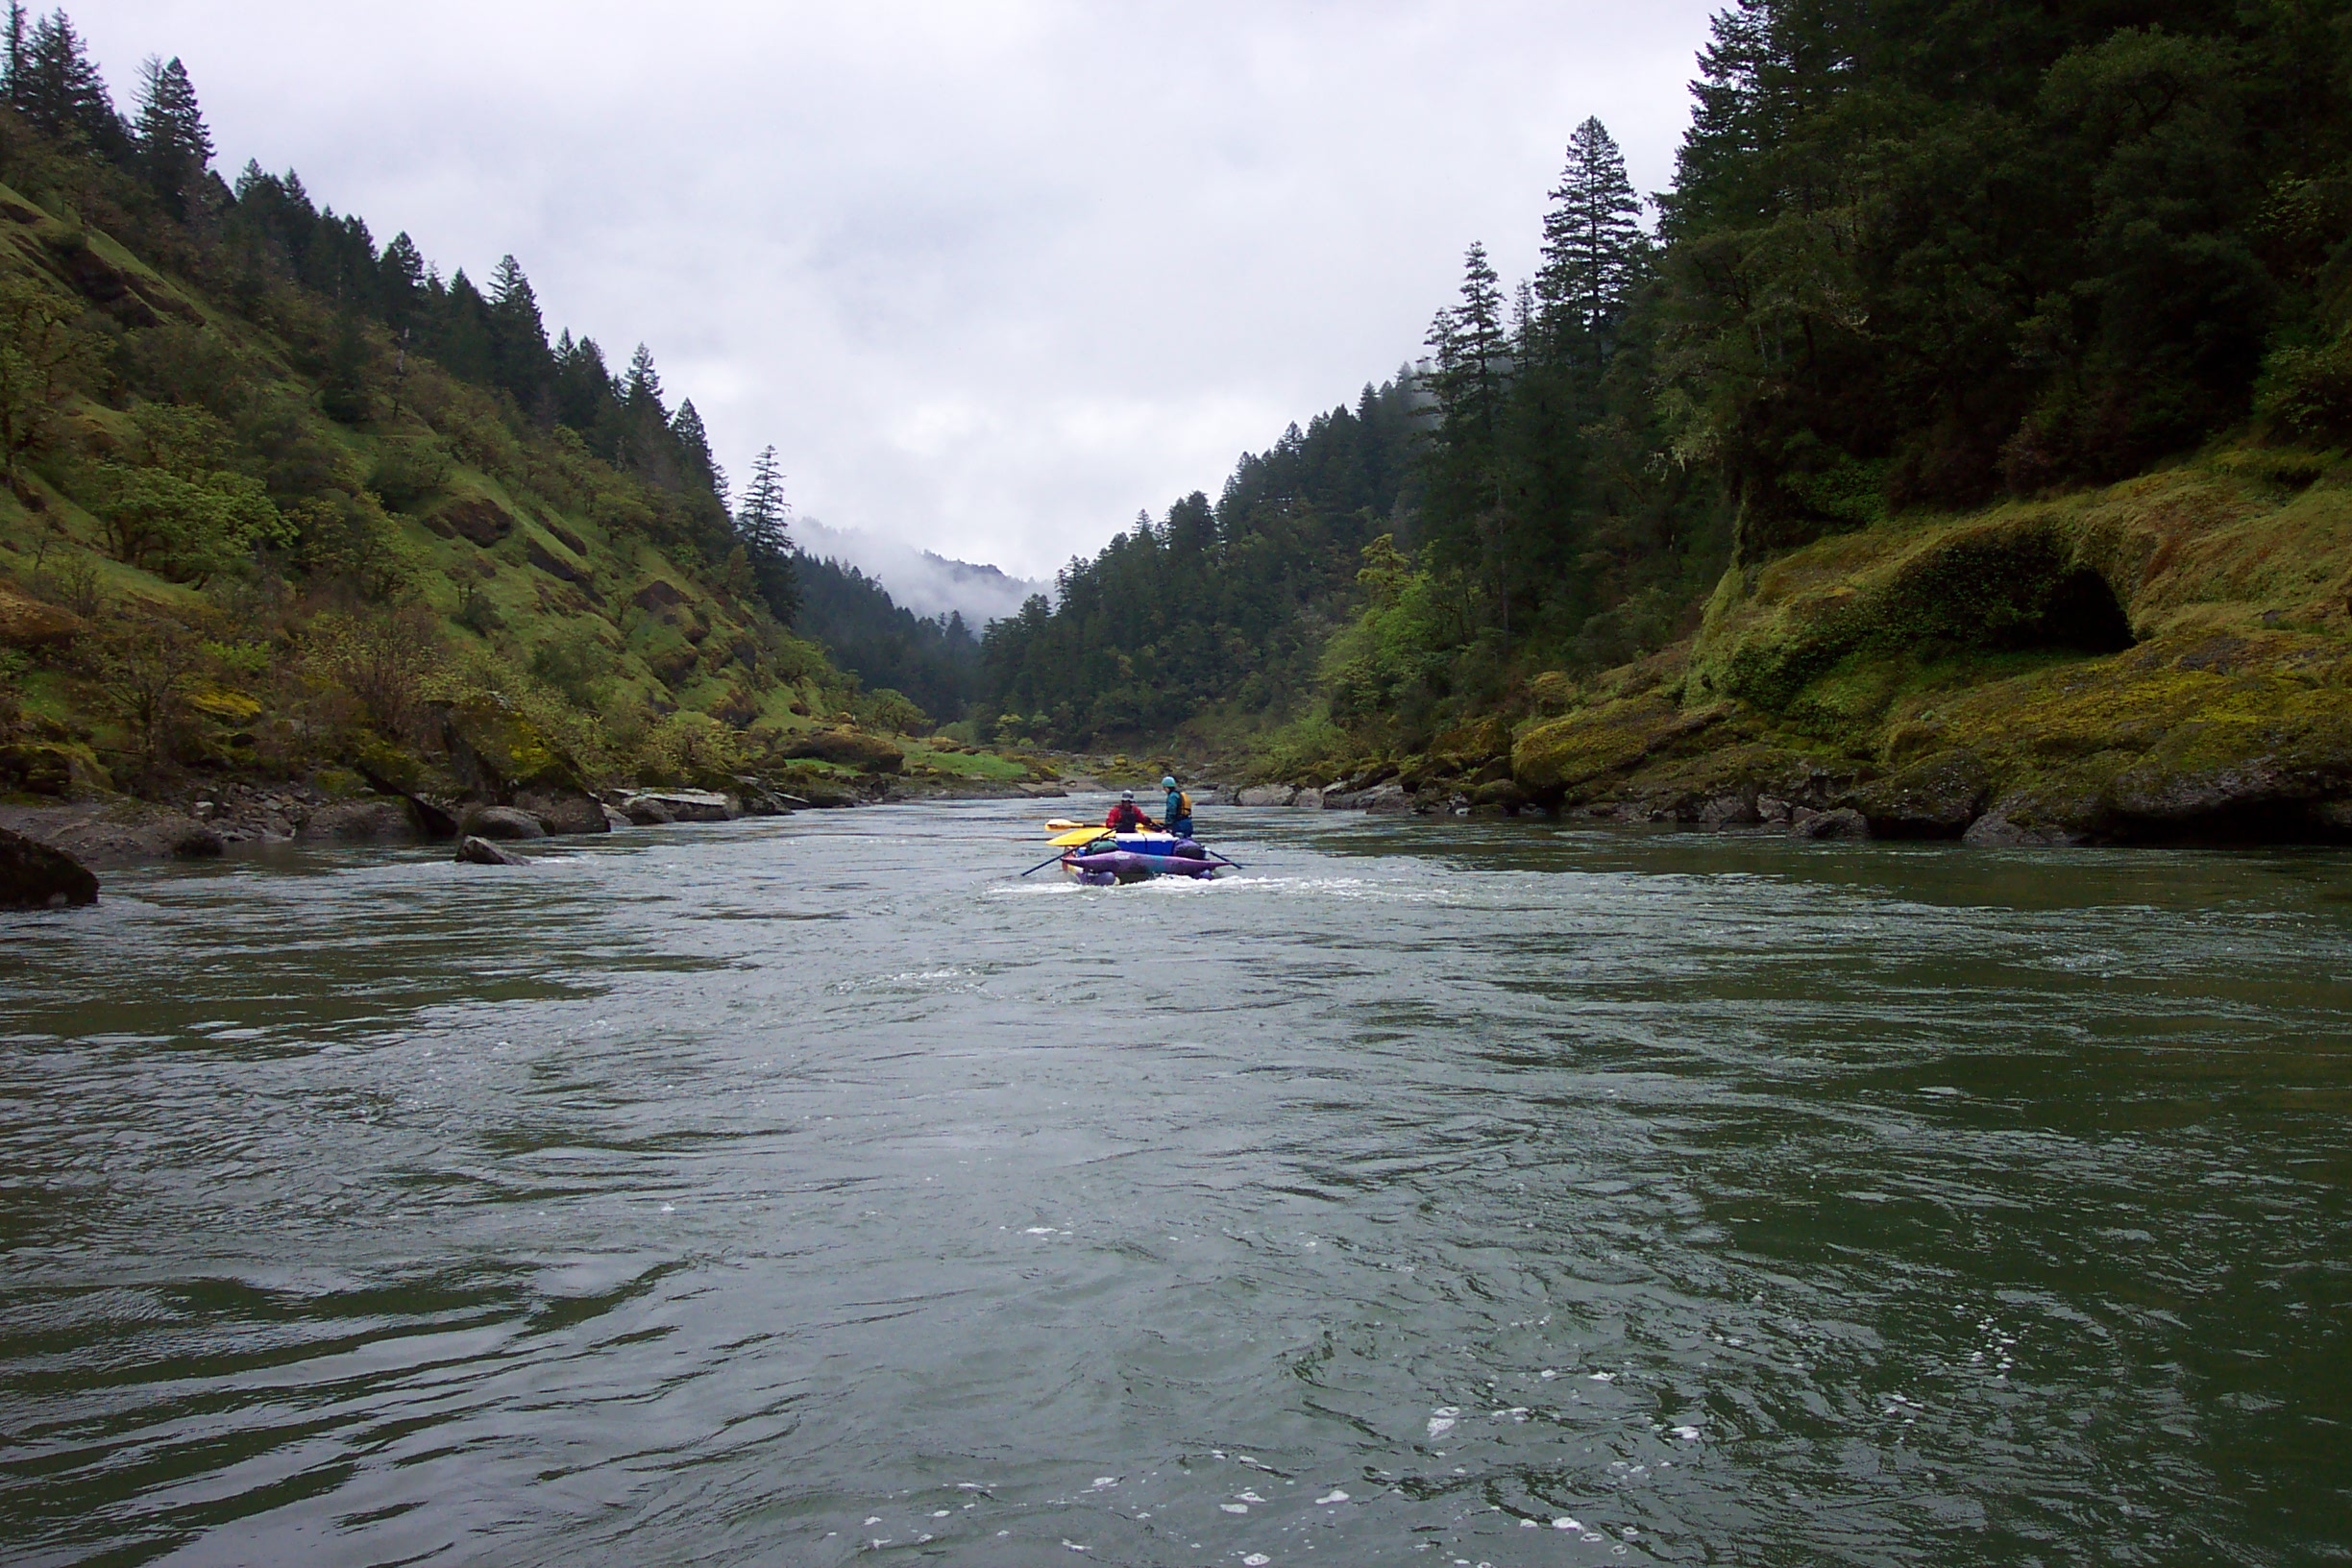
(174, 147)
(1593, 246)
(695, 453)
(54, 84)
(762, 523)
(763, 517)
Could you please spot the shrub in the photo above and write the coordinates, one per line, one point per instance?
(408, 472)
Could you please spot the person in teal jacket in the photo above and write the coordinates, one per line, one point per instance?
(1179, 813)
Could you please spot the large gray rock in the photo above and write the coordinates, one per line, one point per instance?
(559, 808)
(1386, 798)
(687, 805)
(35, 876)
(476, 851)
(499, 822)
(646, 810)
(1845, 823)
(1267, 794)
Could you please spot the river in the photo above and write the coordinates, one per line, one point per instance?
(813, 1192)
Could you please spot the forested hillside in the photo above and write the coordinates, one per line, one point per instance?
(280, 502)
(1214, 606)
(1916, 259)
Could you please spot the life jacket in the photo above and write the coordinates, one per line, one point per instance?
(1124, 816)
(1180, 806)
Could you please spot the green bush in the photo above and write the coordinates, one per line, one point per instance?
(409, 474)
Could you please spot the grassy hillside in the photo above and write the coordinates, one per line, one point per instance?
(204, 573)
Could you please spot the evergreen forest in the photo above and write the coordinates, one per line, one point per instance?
(1918, 258)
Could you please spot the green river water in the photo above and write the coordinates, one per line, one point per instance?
(810, 1192)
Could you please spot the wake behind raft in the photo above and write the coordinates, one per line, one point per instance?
(1100, 858)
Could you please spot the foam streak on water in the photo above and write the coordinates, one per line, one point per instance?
(796, 1191)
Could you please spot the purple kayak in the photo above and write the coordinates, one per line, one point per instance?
(1135, 857)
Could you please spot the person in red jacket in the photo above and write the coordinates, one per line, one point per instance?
(1128, 817)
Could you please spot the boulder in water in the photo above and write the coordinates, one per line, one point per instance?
(35, 876)
(1845, 823)
(196, 842)
(482, 852)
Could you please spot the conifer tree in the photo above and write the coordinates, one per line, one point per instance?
(58, 88)
(761, 522)
(641, 386)
(762, 518)
(1593, 248)
(12, 63)
(695, 453)
(519, 359)
(1473, 352)
(400, 278)
(174, 147)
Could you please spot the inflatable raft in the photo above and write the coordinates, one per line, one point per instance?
(1136, 857)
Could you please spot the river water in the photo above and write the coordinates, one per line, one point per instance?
(812, 1191)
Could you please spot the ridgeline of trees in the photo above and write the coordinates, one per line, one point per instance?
(1919, 254)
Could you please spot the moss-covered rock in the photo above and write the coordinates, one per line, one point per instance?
(1936, 798)
(26, 622)
(1555, 760)
(493, 752)
(846, 748)
(2030, 581)
(57, 768)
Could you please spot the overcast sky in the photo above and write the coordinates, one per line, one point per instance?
(991, 275)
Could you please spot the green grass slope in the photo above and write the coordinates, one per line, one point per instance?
(202, 573)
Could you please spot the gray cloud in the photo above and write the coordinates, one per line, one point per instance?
(991, 277)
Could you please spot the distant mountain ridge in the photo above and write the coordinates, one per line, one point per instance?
(931, 585)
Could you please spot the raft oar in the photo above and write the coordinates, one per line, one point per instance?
(1042, 864)
(1213, 855)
